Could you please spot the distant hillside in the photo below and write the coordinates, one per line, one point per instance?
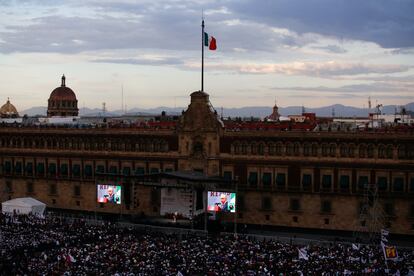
(248, 111)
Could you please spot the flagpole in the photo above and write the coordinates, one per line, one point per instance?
(202, 55)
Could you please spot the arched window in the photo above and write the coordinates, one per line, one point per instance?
(260, 149)
(296, 149)
(332, 150)
(306, 149)
(253, 148)
(402, 152)
(272, 148)
(314, 149)
(370, 151)
(244, 148)
(289, 149)
(325, 149)
(351, 150)
(343, 150)
(279, 148)
(362, 151)
(390, 152)
(382, 151)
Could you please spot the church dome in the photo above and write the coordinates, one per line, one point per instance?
(63, 93)
(8, 110)
(62, 101)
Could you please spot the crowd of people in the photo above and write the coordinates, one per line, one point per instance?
(54, 246)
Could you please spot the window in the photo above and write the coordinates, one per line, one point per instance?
(382, 183)
(412, 184)
(362, 182)
(140, 171)
(154, 170)
(343, 150)
(51, 169)
(18, 168)
(327, 182)
(126, 171)
(76, 171)
(289, 149)
(281, 180)
(64, 170)
(326, 206)
(77, 190)
(344, 182)
(267, 179)
(370, 151)
(332, 150)
(295, 219)
(253, 179)
(40, 169)
(227, 175)
(307, 182)
(267, 217)
(113, 170)
(87, 171)
(7, 167)
(294, 204)
(325, 150)
(168, 170)
(326, 221)
(398, 185)
(314, 150)
(100, 169)
(266, 203)
(306, 149)
(29, 168)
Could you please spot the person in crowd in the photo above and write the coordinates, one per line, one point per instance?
(53, 246)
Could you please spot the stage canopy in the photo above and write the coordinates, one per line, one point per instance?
(24, 205)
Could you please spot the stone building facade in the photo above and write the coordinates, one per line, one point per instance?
(304, 179)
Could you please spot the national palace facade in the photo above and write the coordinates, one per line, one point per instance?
(303, 178)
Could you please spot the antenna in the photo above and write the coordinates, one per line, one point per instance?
(103, 108)
(122, 103)
(369, 102)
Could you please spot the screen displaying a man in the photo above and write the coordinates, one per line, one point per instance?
(109, 194)
(110, 197)
(223, 205)
(221, 201)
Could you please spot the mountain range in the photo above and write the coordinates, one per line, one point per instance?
(338, 110)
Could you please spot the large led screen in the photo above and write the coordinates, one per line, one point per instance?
(109, 194)
(221, 202)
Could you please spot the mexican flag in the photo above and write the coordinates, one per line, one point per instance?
(210, 42)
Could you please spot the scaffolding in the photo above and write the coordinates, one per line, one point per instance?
(371, 217)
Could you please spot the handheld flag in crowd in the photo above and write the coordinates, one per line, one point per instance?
(210, 42)
(390, 251)
(303, 254)
(355, 246)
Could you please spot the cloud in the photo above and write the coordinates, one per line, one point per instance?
(149, 25)
(335, 49)
(375, 87)
(315, 69)
(141, 61)
(387, 23)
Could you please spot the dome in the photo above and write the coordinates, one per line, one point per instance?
(62, 102)
(8, 110)
(63, 93)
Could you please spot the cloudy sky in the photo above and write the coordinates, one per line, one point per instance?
(299, 52)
